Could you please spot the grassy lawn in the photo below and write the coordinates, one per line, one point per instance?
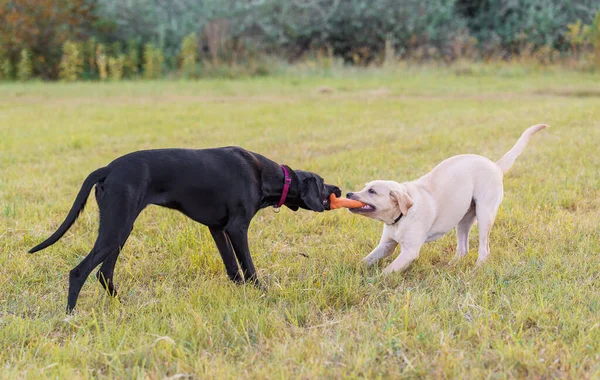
(532, 310)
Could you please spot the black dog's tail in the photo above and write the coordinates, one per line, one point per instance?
(76, 209)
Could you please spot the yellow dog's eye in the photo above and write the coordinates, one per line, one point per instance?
(371, 191)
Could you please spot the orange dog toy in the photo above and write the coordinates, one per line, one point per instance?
(335, 202)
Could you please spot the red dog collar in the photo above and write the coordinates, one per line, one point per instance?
(286, 186)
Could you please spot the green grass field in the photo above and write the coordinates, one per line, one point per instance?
(533, 310)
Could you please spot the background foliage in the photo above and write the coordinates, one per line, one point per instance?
(42, 27)
(510, 23)
(231, 32)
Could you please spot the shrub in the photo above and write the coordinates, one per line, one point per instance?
(132, 61)
(42, 27)
(115, 49)
(153, 61)
(164, 23)
(586, 39)
(71, 64)
(89, 57)
(593, 32)
(189, 55)
(115, 67)
(289, 27)
(592, 35)
(6, 69)
(542, 21)
(574, 35)
(356, 30)
(101, 62)
(24, 68)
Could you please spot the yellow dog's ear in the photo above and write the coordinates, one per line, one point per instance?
(402, 199)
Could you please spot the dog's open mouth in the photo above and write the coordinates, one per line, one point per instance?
(365, 208)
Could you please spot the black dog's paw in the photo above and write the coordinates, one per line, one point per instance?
(237, 278)
(258, 284)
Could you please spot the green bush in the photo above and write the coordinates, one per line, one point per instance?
(511, 23)
(42, 27)
(360, 27)
(6, 67)
(24, 68)
(71, 63)
(291, 27)
(592, 37)
(153, 61)
(115, 67)
(593, 33)
(90, 68)
(115, 49)
(352, 28)
(132, 60)
(101, 62)
(189, 55)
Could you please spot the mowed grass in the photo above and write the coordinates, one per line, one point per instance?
(533, 310)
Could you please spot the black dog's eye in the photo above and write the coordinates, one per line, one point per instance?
(371, 191)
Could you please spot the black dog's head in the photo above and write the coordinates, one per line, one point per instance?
(314, 192)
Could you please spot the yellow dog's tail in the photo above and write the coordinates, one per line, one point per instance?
(507, 161)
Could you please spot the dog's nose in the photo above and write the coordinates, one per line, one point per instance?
(349, 195)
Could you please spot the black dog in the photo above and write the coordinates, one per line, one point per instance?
(222, 188)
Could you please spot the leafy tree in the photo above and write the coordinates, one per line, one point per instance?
(42, 27)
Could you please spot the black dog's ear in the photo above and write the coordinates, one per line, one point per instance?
(311, 195)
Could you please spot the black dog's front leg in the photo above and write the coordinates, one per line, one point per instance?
(239, 239)
(226, 251)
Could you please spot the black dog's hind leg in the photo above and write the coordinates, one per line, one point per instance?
(238, 233)
(102, 250)
(226, 251)
(116, 222)
(106, 272)
(107, 269)
(105, 275)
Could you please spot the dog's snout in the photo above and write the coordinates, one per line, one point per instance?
(349, 195)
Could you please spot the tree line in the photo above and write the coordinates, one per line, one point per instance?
(107, 39)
